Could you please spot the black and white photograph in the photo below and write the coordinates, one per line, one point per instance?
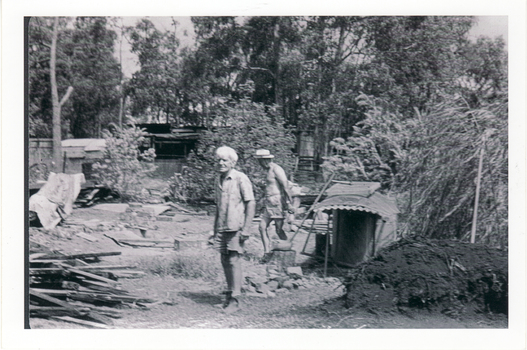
(266, 179)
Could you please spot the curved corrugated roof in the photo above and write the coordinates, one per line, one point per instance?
(376, 204)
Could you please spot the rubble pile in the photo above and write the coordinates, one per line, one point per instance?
(72, 288)
(267, 281)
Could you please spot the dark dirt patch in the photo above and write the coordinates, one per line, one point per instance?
(454, 278)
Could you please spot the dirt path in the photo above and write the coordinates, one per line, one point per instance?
(193, 306)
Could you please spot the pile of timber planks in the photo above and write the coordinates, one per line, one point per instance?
(70, 288)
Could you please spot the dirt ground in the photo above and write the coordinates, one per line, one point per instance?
(188, 301)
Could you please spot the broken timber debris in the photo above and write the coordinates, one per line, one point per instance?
(182, 243)
(68, 288)
(75, 256)
(141, 242)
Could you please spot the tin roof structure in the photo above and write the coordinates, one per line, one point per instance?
(360, 197)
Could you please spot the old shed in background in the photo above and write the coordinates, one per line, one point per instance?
(362, 221)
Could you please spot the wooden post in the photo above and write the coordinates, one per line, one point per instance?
(326, 255)
(64, 159)
(476, 202)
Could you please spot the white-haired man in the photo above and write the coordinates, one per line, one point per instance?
(277, 199)
(235, 208)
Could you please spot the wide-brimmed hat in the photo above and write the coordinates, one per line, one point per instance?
(263, 153)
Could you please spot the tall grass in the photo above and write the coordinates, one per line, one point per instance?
(204, 264)
(438, 175)
(430, 163)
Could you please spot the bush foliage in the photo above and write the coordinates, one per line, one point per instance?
(245, 126)
(124, 166)
(430, 163)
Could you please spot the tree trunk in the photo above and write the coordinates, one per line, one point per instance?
(276, 60)
(57, 105)
(121, 87)
(57, 149)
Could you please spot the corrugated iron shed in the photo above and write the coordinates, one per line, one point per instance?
(360, 196)
(376, 204)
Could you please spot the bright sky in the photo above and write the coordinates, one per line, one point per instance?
(184, 32)
(490, 26)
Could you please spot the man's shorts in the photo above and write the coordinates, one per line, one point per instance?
(229, 241)
(274, 208)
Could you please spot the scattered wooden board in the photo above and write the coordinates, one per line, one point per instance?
(50, 299)
(104, 267)
(47, 311)
(92, 276)
(61, 287)
(76, 256)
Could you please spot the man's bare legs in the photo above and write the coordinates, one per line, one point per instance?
(264, 226)
(232, 266)
(279, 224)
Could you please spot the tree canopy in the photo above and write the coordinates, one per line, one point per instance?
(85, 61)
(394, 99)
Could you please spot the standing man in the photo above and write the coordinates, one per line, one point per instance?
(235, 207)
(277, 199)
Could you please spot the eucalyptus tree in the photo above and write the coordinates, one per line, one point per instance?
(415, 59)
(43, 53)
(84, 61)
(485, 71)
(95, 74)
(153, 89)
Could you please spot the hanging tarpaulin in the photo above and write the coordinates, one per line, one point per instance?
(54, 201)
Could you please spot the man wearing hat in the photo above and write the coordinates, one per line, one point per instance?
(277, 199)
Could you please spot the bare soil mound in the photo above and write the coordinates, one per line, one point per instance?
(450, 277)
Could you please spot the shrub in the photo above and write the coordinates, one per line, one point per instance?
(124, 165)
(431, 163)
(245, 126)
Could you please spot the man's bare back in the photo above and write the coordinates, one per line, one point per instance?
(275, 179)
(276, 202)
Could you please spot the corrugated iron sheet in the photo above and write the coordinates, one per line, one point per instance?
(376, 204)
